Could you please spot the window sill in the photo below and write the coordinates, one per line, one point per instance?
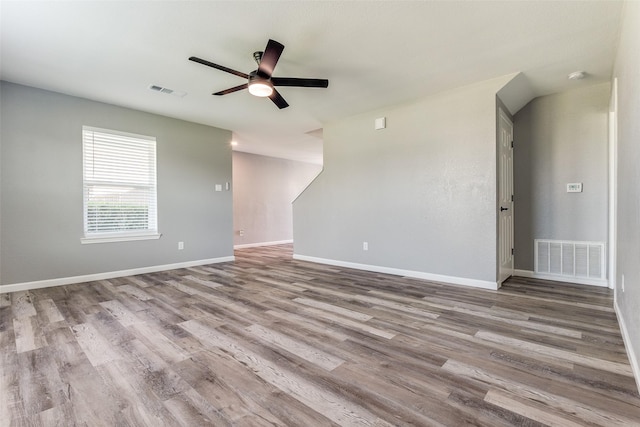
(119, 238)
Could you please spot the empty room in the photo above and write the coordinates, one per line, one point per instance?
(319, 213)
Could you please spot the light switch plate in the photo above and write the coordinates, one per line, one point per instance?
(218, 187)
(381, 123)
(574, 187)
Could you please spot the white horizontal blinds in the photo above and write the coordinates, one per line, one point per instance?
(119, 183)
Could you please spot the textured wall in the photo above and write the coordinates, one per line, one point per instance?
(42, 188)
(263, 191)
(559, 139)
(627, 71)
(421, 192)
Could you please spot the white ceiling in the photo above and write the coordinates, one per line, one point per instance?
(373, 53)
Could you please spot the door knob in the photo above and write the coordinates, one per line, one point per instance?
(503, 209)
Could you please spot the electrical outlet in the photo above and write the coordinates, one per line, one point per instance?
(622, 283)
(180, 246)
(241, 233)
(365, 246)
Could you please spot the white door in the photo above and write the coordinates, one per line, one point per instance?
(505, 197)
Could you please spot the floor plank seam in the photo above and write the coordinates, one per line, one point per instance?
(267, 340)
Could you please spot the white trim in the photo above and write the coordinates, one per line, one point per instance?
(400, 272)
(558, 278)
(613, 183)
(121, 238)
(255, 245)
(627, 344)
(108, 275)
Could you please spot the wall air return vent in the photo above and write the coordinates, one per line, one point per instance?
(581, 260)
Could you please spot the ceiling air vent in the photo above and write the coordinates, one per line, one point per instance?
(166, 90)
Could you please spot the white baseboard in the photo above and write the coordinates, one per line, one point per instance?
(631, 354)
(399, 272)
(565, 279)
(255, 245)
(108, 275)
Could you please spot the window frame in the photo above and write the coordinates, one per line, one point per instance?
(149, 233)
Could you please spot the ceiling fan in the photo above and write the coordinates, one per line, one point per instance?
(260, 82)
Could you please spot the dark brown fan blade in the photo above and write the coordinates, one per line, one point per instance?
(270, 58)
(231, 90)
(278, 99)
(219, 67)
(293, 81)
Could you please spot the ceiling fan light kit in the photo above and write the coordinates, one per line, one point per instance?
(260, 82)
(260, 89)
(259, 86)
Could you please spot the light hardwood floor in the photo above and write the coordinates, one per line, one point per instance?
(269, 341)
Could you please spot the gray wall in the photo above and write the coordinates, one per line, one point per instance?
(263, 190)
(42, 188)
(627, 71)
(421, 192)
(559, 139)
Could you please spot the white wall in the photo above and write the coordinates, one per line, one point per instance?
(263, 191)
(627, 72)
(560, 138)
(421, 192)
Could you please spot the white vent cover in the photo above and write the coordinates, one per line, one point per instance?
(166, 90)
(570, 259)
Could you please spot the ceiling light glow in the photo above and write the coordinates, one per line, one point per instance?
(261, 88)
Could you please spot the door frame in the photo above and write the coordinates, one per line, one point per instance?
(501, 114)
(613, 186)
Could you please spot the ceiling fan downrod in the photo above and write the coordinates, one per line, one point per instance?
(258, 56)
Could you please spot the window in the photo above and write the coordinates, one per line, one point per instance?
(119, 185)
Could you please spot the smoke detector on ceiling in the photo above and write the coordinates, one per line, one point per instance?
(577, 75)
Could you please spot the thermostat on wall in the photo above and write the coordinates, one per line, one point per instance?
(574, 187)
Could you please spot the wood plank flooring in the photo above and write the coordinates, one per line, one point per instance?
(270, 341)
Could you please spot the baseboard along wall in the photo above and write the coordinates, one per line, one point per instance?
(255, 245)
(453, 280)
(15, 287)
(631, 354)
(558, 278)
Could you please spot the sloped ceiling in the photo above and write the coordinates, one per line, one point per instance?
(373, 53)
